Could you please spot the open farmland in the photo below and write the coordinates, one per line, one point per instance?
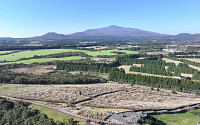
(30, 53)
(108, 52)
(188, 118)
(40, 60)
(101, 95)
(4, 52)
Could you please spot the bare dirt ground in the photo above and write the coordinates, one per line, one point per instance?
(101, 95)
(103, 75)
(102, 59)
(172, 61)
(98, 47)
(137, 65)
(158, 52)
(95, 47)
(35, 70)
(193, 59)
(186, 75)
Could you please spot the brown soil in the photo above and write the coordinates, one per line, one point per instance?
(35, 70)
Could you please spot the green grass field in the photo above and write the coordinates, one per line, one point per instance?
(57, 116)
(29, 53)
(108, 52)
(3, 52)
(188, 118)
(40, 60)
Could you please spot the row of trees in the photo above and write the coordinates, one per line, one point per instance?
(50, 78)
(115, 74)
(150, 64)
(181, 68)
(18, 113)
(152, 69)
(97, 67)
(183, 85)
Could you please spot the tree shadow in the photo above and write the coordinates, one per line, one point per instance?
(158, 122)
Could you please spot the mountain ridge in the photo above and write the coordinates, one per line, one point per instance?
(114, 30)
(110, 31)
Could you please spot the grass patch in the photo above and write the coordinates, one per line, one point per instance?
(57, 116)
(188, 118)
(4, 52)
(40, 60)
(108, 52)
(29, 53)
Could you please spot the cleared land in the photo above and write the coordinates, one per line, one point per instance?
(35, 70)
(101, 95)
(171, 61)
(98, 47)
(188, 118)
(193, 59)
(158, 52)
(97, 59)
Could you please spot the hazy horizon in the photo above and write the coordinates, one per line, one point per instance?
(22, 18)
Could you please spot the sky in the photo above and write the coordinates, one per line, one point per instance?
(27, 18)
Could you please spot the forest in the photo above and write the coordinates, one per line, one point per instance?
(49, 78)
(21, 113)
(115, 74)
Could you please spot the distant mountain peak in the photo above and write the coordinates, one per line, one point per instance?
(114, 26)
(116, 31)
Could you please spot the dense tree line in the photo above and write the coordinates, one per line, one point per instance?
(152, 64)
(152, 69)
(115, 74)
(181, 68)
(196, 75)
(187, 70)
(18, 113)
(155, 65)
(183, 85)
(97, 67)
(185, 61)
(49, 78)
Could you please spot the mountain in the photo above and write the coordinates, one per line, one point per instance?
(187, 36)
(50, 35)
(109, 32)
(47, 36)
(117, 32)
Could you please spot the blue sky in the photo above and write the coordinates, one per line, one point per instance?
(25, 18)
